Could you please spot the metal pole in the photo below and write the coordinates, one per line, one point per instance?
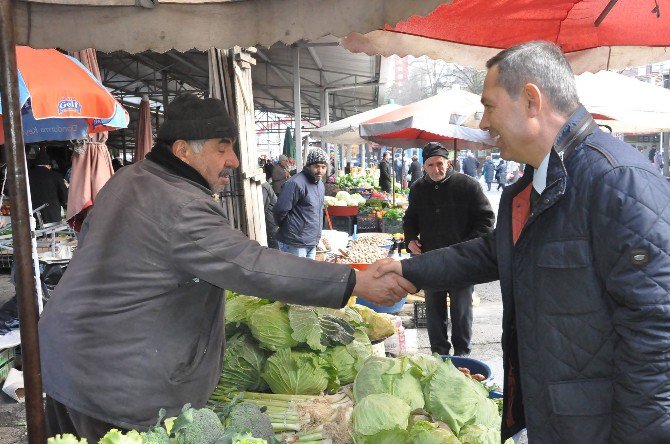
(666, 158)
(18, 197)
(296, 107)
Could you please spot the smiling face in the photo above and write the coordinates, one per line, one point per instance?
(214, 162)
(504, 117)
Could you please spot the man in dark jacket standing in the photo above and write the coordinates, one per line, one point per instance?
(299, 208)
(470, 165)
(385, 173)
(47, 187)
(415, 170)
(501, 174)
(582, 251)
(446, 208)
(269, 201)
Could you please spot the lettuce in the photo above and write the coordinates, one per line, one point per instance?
(297, 373)
(269, 324)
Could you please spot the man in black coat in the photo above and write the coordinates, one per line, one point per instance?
(385, 173)
(415, 170)
(582, 252)
(446, 208)
(47, 187)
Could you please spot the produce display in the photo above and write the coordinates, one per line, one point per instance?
(344, 199)
(357, 181)
(291, 349)
(421, 399)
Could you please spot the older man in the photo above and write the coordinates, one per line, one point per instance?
(280, 174)
(445, 208)
(136, 323)
(582, 253)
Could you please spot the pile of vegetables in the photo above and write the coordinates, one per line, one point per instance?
(362, 181)
(344, 199)
(421, 399)
(235, 423)
(294, 350)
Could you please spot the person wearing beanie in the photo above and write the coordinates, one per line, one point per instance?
(446, 208)
(280, 174)
(299, 208)
(47, 187)
(136, 323)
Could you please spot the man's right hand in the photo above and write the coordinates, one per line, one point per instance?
(381, 288)
(414, 246)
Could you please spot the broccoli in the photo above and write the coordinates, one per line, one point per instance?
(247, 417)
(197, 426)
(115, 436)
(155, 435)
(66, 439)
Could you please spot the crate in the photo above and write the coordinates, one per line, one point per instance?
(420, 320)
(344, 223)
(391, 226)
(367, 223)
(6, 362)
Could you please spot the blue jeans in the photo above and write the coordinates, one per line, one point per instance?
(308, 252)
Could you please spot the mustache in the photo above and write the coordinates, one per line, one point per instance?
(226, 172)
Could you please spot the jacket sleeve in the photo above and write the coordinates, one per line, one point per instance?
(631, 246)
(482, 216)
(203, 245)
(287, 199)
(410, 221)
(460, 265)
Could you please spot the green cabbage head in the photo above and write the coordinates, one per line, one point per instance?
(391, 376)
(381, 418)
(349, 359)
(424, 432)
(297, 373)
(269, 324)
(243, 363)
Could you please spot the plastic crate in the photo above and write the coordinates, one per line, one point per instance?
(367, 222)
(344, 223)
(6, 362)
(391, 226)
(420, 320)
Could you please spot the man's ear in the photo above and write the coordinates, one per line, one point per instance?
(533, 97)
(181, 150)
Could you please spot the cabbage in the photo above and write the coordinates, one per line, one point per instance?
(330, 200)
(378, 327)
(479, 434)
(424, 432)
(318, 328)
(391, 376)
(456, 399)
(270, 326)
(342, 195)
(380, 418)
(242, 365)
(240, 307)
(349, 359)
(296, 373)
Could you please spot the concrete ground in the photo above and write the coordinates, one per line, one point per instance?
(487, 329)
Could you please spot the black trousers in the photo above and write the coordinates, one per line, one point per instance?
(461, 321)
(61, 419)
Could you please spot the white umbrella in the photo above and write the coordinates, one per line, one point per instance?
(624, 103)
(345, 131)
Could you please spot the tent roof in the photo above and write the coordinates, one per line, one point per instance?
(160, 25)
(345, 131)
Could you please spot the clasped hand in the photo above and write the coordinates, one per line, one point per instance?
(382, 283)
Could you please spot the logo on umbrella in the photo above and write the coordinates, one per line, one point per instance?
(66, 105)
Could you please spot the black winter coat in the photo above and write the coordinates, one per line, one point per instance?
(47, 187)
(385, 176)
(447, 212)
(415, 171)
(269, 201)
(586, 294)
(299, 210)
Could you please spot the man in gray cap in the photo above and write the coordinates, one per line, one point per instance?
(136, 324)
(280, 174)
(299, 209)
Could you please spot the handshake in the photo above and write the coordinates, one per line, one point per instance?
(382, 283)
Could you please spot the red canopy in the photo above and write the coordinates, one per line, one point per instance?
(471, 31)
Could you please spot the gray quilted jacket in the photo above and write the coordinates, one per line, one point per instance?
(586, 294)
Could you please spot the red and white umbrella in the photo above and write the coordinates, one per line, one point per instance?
(594, 34)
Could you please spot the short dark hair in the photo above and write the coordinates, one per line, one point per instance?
(543, 64)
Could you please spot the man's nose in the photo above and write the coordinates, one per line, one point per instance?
(233, 161)
(484, 123)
